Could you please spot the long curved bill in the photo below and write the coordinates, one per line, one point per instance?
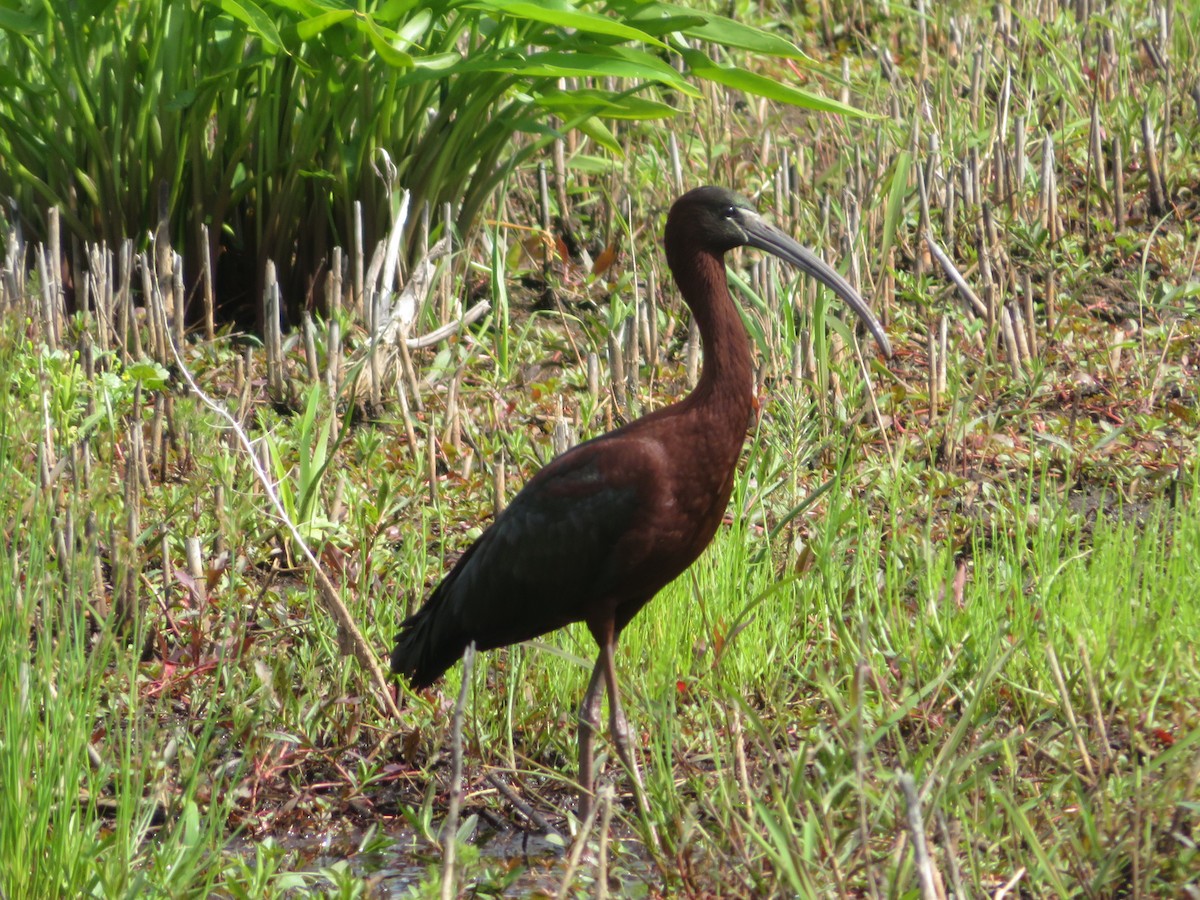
(764, 236)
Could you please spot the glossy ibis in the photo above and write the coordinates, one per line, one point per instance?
(597, 532)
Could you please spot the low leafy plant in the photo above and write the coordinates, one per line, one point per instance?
(270, 121)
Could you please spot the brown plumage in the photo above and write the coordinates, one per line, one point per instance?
(602, 528)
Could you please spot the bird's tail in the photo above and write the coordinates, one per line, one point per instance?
(427, 646)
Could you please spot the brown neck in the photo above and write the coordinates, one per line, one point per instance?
(726, 386)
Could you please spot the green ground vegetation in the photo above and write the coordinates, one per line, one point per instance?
(956, 588)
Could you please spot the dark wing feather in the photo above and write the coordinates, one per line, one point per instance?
(545, 562)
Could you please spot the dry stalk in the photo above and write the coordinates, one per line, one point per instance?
(606, 812)
(155, 315)
(498, 485)
(950, 850)
(476, 312)
(195, 566)
(359, 260)
(633, 350)
(208, 291)
(1008, 886)
(676, 165)
(46, 445)
(1048, 204)
(926, 876)
(57, 297)
(273, 336)
(985, 276)
(522, 807)
(1018, 174)
(168, 577)
(1119, 182)
(310, 348)
(410, 430)
(1010, 342)
(559, 160)
(128, 325)
(126, 599)
(1060, 683)
(561, 438)
(333, 338)
(156, 432)
(1019, 331)
(616, 366)
(869, 387)
(931, 349)
(450, 828)
(576, 854)
(1097, 710)
(177, 295)
(974, 304)
(431, 463)
(1096, 161)
(593, 376)
(1001, 174)
(543, 196)
(943, 350)
(350, 638)
(1030, 323)
(1157, 195)
(1051, 304)
(651, 319)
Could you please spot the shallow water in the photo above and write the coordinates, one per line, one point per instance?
(494, 862)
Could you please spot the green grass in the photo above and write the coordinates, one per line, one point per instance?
(105, 778)
(995, 597)
(280, 125)
(861, 668)
(776, 688)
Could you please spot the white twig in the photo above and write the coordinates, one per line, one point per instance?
(349, 635)
(964, 289)
(450, 829)
(1010, 884)
(404, 304)
(476, 312)
(916, 830)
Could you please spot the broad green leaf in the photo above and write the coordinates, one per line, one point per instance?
(89, 185)
(381, 40)
(1109, 438)
(605, 105)
(411, 31)
(760, 86)
(618, 63)
(253, 17)
(721, 30)
(305, 8)
(182, 100)
(1053, 440)
(654, 19)
(593, 165)
(23, 23)
(561, 14)
(437, 62)
(596, 130)
(895, 203)
(392, 10)
(151, 375)
(310, 28)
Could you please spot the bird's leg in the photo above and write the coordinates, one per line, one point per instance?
(617, 722)
(589, 724)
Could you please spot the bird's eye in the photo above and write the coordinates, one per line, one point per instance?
(729, 212)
